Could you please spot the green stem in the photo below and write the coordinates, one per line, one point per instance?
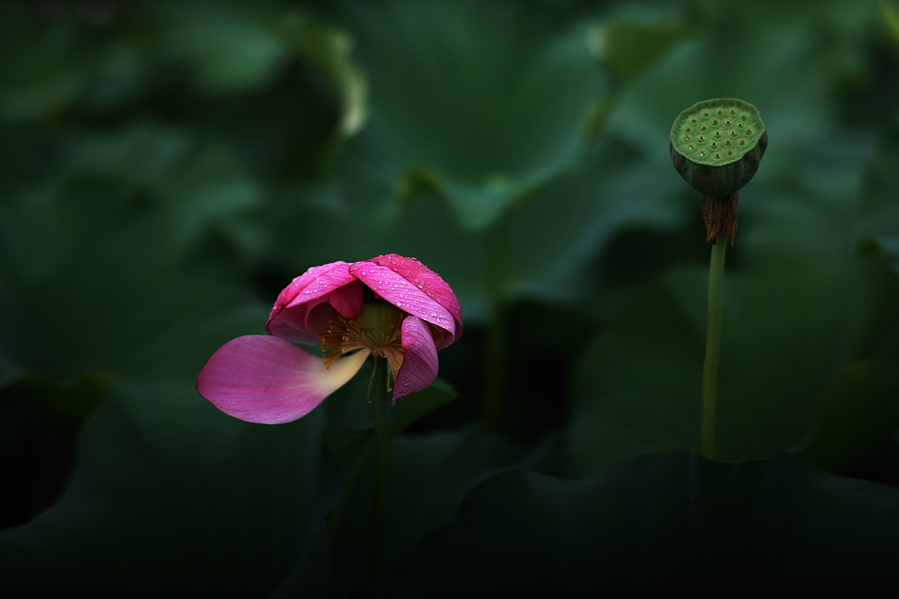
(379, 396)
(495, 342)
(712, 349)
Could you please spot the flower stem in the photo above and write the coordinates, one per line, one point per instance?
(495, 342)
(379, 396)
(712, 349)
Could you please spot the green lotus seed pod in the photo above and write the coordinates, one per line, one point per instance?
(717, 145)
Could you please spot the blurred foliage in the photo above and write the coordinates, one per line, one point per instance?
(166, 168)
(661, 523)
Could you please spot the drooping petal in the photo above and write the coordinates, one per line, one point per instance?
(407, 296)
(259, 378)
(316, 281)
(291, 325)
(427, 280)
(330, 283)
(419, 367)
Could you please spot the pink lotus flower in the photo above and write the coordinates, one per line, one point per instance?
(390, 307)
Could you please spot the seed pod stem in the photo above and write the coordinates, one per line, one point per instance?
(712, 351)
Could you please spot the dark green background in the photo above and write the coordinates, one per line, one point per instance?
(166, 168)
